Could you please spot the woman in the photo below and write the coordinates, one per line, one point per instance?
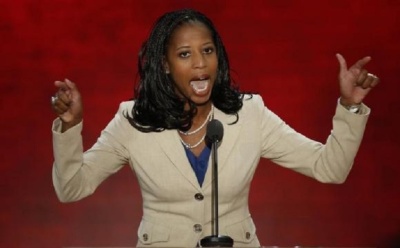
(184, 83)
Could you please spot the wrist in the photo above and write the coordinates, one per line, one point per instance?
(346, 102)
(351, 106)
(67, 125)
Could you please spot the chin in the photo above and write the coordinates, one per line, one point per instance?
(201, 101)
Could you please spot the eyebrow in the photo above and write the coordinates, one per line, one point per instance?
(205, 44)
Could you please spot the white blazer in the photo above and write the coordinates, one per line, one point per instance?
(176, 210)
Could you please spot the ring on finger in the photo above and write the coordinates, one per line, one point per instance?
(371, 75)
(54, 99)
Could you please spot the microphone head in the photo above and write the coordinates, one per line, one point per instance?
(215, 131)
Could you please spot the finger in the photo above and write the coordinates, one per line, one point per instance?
(362, 62)
(64, 97)
(59, 111)
(342, 62)
(60, 104)
(61, 99)
(372, 80)
(72, 88)
(375, 82)
(362, 77)
(70, 84)
(366, 83)
(61, 85)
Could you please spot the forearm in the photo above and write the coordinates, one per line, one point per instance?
(77, 174)
(329, 162)
(68, 164)
(342, 145)
(332, 162)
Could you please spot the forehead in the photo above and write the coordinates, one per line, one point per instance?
(190, 31)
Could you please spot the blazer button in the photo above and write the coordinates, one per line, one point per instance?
(198, 197)
(197, 228)
(248, 235)
(145, 237)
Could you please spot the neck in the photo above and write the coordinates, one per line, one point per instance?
(200, 120)
(203, 112)
(194, 138)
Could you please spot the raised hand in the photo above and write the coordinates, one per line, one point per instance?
(355, 82)
(67, 104)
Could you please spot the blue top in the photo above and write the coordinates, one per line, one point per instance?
(199, 164)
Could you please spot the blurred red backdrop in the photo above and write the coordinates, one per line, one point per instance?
(284, 50)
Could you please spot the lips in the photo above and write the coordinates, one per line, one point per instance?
(200, 84)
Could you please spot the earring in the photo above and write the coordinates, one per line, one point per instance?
(166, 71)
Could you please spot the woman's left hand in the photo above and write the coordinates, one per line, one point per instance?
(355, 82)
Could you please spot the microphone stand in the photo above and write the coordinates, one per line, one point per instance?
(215, 240)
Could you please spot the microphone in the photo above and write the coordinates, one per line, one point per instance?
(215, 132)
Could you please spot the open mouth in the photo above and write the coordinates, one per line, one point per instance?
(200, 84)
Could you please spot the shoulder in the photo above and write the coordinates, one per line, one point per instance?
(252, 99)
(125, 108)
(252, 103)
(119, 126)
(121, 116)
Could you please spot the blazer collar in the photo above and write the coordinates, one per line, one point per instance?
(173, 148)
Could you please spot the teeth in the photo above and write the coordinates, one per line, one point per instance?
(199, 85)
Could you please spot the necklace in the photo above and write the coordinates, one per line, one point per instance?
(202, 125)
(189, 146)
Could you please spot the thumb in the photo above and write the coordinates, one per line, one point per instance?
(342, 63)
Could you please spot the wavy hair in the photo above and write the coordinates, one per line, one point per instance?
(157, 107)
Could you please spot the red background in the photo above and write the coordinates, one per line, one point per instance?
(285, 50)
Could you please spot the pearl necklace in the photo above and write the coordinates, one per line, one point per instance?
(202, 125)
(189, 146)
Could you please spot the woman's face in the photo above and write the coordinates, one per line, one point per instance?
(191, 60)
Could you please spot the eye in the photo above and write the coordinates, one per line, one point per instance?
(208, 50)
(184, 54)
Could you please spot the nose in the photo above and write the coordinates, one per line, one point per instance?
(199, 60)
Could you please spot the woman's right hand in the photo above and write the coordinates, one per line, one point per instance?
(67, 104)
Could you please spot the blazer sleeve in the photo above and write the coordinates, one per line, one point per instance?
(330, 162)
(76, 174)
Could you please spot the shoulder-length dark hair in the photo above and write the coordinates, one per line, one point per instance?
(157, 107)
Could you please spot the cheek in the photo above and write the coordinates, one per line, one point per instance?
(179, 79)
(180, 72)
(214, 63)
(177, 76)
(215, 70)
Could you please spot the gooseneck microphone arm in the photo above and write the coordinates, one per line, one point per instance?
(215, 132)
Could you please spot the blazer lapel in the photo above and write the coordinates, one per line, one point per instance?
(173, 148)
(171, 145)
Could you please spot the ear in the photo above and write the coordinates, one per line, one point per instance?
(166, 65)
